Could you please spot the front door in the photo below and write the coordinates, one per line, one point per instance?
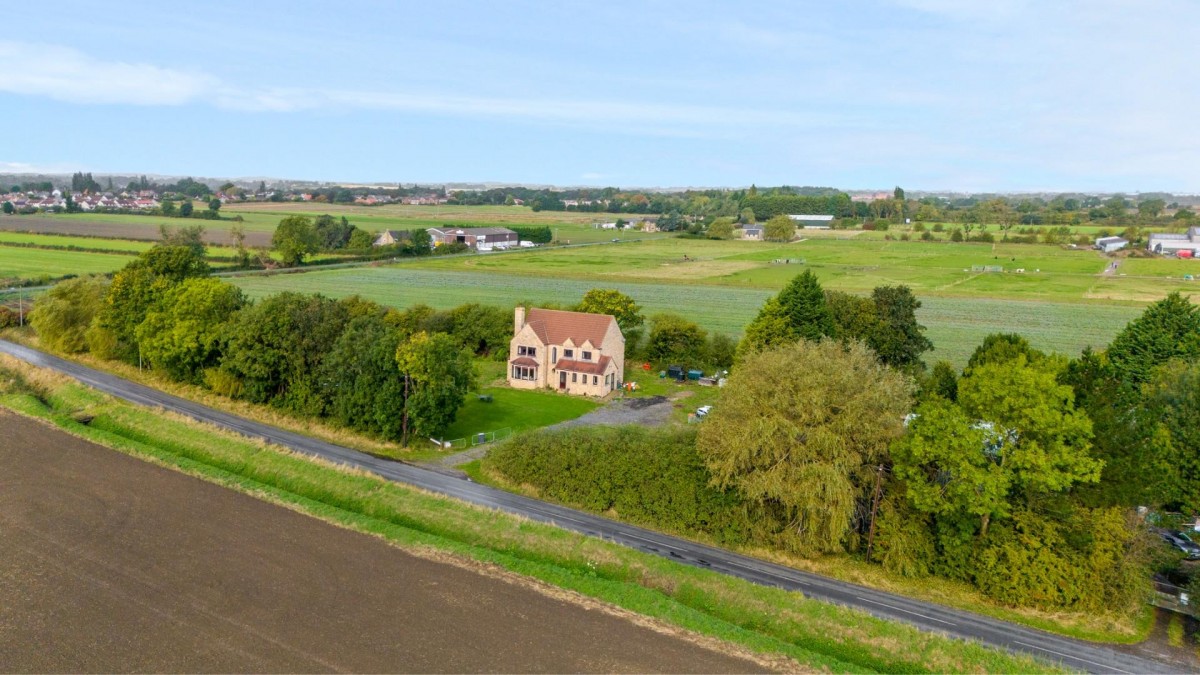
(562, 379)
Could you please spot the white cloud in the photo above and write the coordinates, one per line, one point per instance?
(66, 74)
(22, 167)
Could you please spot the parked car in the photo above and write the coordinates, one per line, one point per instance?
(705, 409)
(1182, 543)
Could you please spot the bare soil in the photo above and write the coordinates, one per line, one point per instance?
(216, 232)
(111, 564)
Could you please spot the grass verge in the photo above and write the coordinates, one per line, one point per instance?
(814, 635)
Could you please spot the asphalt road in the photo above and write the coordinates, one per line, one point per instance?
(928, 616)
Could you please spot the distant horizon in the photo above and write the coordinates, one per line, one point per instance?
(493, 184)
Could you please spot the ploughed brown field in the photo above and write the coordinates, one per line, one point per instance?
(215, 233)
(111, 564)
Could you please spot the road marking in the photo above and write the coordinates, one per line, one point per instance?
(906, 611)
(1070, 656)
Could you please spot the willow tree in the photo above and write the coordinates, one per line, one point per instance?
(802, 430)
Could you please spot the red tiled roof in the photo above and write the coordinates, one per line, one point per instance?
(555, 326)
(587, 367)
(524, 361)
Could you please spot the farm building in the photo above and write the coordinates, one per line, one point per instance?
(389, 237)
(1168, 243)
(572, 352)
(752, 232)
(479, 238)
(812, 222)
(1110, 244)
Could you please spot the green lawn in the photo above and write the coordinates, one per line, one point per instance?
(515, 410)
(34, 263)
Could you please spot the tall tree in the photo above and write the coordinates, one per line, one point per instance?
(898, 338)
(779, 228)
(437, 376)
(803, 303)
(1168, 329)
(294, 239)
(615, 303)
(63, 315)
(800, 430)
(185, 332)
(674, 338)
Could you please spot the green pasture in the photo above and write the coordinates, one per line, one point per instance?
(955, 325)
(515, 409)
(117, 245)
(35, 263)
(1030, 272)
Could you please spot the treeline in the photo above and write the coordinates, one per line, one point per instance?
(1020, 474)
(399, 375)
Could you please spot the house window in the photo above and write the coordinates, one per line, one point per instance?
(522, 373)
(595, 379)
(587, 356)
(574, 377)
(568, 353)
(522, 350)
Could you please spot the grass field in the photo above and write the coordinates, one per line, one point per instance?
(955, 324)
(35, 263)
(260, 220)
(816, 636)
(515, 410)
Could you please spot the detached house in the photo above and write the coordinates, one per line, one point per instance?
(571, 352)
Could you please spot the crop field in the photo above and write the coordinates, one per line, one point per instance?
(114, 226)
(1031, 272)
(955, 325)
(116, 245)
(34, 263)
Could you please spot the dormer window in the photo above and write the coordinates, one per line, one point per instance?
(587, 356)
(568, 353)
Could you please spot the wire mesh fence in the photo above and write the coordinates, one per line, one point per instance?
(490, 436)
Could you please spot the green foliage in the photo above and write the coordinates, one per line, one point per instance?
(798, 428)
(721, 350)
(1001, 348)
(63, 315)
(185, 332)
(484, 330)
(537, 235)
(614, 303)
(360, 240)
(941, 381)
(1043, 440)
(190, 236)
(438, 374)
(332, 234)
(1168, 329)
(295, 238)
(674, 339)
(276, 347)
(803, 304)
(899, 339)
(721, 228)
(1140, 466)
(854, 316)
(904, 544)
(362, 384)
(1174, 397)
(779, 228)
(649, 476)
(138, 287)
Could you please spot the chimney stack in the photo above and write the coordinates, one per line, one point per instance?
(518, 319)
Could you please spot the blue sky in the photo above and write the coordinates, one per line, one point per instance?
(926, 94)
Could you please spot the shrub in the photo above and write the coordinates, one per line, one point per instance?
(648, 476)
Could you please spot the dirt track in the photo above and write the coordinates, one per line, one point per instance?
(216, 232)
(108, 563)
